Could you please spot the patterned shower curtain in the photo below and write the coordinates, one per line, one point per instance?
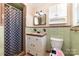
(13, 31)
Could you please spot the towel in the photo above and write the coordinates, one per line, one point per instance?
(59, 53)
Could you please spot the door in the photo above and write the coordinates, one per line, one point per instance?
(13, 31)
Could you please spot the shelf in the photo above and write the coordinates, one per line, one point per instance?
(75, 29)
(47, 26)
(36, 34)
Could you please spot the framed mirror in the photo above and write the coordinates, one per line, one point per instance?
(39, 18)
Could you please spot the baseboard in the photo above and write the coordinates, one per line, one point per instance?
(48, 51)
(22, 53)
(29, 54)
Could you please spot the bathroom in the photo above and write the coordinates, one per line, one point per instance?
(68, 32)
(65, 27)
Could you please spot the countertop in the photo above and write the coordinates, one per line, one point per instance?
(36, 34)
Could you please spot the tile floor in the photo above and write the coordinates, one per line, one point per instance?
(47, 54)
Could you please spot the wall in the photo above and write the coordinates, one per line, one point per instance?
(29, 13)
(1, 40)
(32, 8)
(71, 42)
(74, 42)
(63, 33)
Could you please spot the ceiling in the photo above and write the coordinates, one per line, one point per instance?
(40, 4)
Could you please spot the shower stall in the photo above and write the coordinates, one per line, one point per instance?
(14, 29)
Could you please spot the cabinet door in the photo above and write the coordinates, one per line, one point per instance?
(52, 14)
(61, 10)
(28, 42)
(31, 45)
(76, 15)
(52, 11)
(38, 43)
(62, 13)
(39, 46)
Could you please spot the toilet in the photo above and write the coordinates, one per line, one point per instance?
(56, 44)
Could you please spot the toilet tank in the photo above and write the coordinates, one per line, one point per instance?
(56, 43)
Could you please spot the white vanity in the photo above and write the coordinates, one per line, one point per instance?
(36, 43)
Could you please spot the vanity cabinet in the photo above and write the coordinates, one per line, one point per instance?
(58, 14)
(36, 45)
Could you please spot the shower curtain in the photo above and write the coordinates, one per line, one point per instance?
(13, 31)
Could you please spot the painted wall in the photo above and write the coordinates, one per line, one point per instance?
(1, 40)
(71, 38)
(74, 43)
(63, 33)
(32, 8)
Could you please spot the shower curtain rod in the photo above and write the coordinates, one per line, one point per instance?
(13, 7)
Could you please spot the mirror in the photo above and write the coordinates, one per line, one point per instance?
(39, 18)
